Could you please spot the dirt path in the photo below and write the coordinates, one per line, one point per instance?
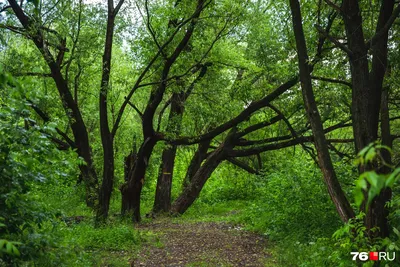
(201, 244)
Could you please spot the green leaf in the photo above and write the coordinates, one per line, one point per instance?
(358, 197)
(370, 155)
(393, 177)
(9, 247)
(365, 150)
(372, 177)
(396, 231)
(15, 251)
(2, 243)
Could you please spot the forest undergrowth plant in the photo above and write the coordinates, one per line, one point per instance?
(354, 235)
(28, 160)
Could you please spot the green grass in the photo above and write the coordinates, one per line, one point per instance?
(216, 212)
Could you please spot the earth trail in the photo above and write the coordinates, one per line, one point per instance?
(201, 244)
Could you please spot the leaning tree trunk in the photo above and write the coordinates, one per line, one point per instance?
(325, 163)
(192, 191)
(199, 156)
(132, 189)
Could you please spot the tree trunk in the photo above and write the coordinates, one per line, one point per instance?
(365, 111)
(132, 189)
(366, 99)
(131, 199)
(106, 136)
(335, 191)
(199, 156)
(162, 200)
(89, 176)
(376, 215)
(71, 109)
(192, 191)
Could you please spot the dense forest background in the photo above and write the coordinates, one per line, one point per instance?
(279, 116)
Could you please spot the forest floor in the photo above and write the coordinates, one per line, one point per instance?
(192, 244)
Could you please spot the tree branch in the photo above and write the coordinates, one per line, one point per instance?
(143, 74)
(333, 40)
(242, 165)
(333, 5)
(330, 80)
(136, 109)
(385, 28)
(253, 107)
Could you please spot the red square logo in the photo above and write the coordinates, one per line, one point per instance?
(373, 256)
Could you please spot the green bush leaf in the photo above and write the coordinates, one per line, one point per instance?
(9, 247)
(2, 243)
(393, 177)
(15, 251)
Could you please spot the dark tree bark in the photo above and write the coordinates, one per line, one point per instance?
(378, 211)
(199, 156)
(129, 164)
(367, 91)
(365, 111)
(132, 190)
(162, 200)
(107, 138)
(335, 191)
(376, 215)
(192, 191)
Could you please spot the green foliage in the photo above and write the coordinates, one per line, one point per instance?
(371, 181)
(255, 52)
(228, 183)
(286, 207)
(27, 161)
(353, 236)
(8, 247)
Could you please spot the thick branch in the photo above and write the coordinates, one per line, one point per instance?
(280, 145)
(246, 113)
(385, 28)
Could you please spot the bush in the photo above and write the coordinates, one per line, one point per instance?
(27, 160)
(293, 205)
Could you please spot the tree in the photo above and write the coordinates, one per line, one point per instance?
(325, 163)
(37, 32)
(366, 92)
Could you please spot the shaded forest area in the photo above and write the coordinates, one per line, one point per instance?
(278, 116)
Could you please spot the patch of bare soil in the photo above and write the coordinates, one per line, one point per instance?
(201, 244)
